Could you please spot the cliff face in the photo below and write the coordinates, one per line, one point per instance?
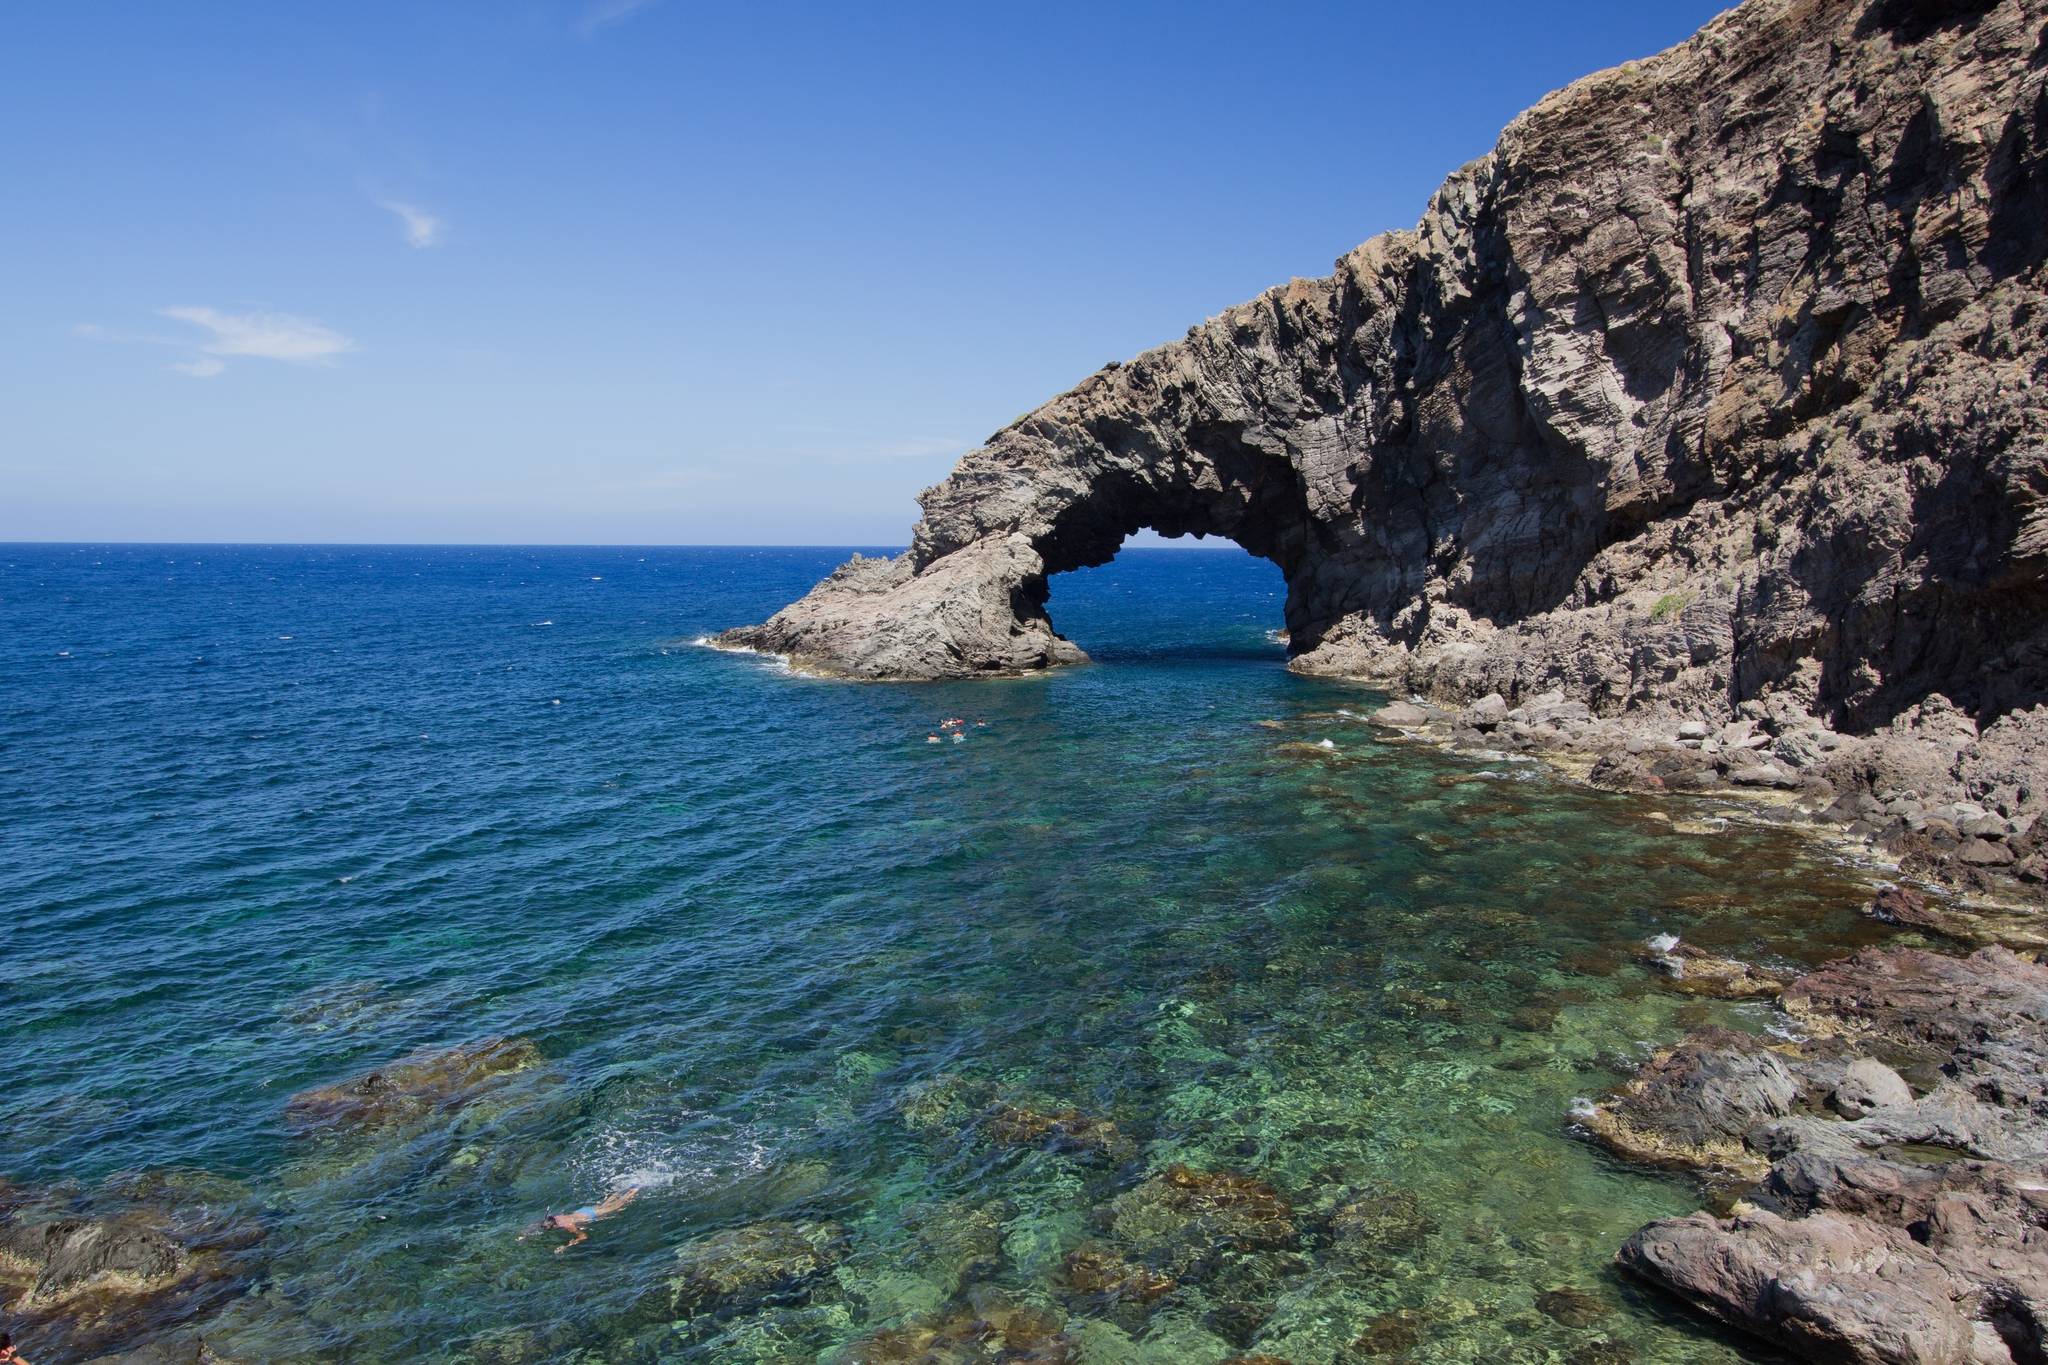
(1724, 376)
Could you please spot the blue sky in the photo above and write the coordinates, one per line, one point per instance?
(598, 271)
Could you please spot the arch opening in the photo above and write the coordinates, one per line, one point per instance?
(1215, 486)
(1161, 598)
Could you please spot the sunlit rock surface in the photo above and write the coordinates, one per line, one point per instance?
(1720, 378)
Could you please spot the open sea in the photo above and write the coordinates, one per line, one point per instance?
(1171, 965)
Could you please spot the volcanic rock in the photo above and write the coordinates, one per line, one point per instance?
(1850, 1252)
(1716, 391)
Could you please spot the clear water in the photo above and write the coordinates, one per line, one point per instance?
(272, 817)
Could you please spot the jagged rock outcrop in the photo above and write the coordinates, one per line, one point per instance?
(1721, 378)
(1886, 1226)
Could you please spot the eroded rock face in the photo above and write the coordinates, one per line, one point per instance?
(1720, 377)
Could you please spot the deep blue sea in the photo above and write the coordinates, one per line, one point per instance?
(271, 818)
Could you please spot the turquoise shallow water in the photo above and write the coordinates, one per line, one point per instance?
(272, 817)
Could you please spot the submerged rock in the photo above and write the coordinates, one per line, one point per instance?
(1390, 1334)
(1061, 1130)
(178, 1351)
(747, 1267)
(1572, 1306)
(1094, 1272)
(1378, 1224)
(114, 1271)
(1181, 1219)
(986, 1325)
(409, 1089)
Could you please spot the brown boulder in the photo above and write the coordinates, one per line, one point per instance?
(409, 1089)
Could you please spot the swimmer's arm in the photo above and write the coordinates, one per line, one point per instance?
(582, 1236)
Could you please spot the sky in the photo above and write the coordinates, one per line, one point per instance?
(654, 272)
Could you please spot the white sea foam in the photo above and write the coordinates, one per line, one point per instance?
(615, 1159)
(1661, 943)
(1326, 744)
(778, 660)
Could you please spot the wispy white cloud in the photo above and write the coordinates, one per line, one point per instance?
(266, 336)
(599, 14)
(422, 229)
(263, 336)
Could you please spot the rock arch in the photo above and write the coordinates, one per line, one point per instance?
(1161, 443)
(1721, 378)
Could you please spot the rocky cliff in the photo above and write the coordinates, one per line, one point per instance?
(1717, 390)
(1721, 376)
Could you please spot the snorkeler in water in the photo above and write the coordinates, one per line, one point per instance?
(577, 1222)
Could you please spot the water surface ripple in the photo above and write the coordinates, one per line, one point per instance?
(272, 817)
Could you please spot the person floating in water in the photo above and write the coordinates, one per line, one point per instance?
(577, 1222)
(8, 1354)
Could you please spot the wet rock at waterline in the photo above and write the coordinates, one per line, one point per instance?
(1694, 971)
(1691, 1106)
(1846, 1248)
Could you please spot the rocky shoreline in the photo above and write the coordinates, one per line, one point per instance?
(1716, 392)
(1881, 1168)
(1867, 1217)
(1696, 442)
(1950, 808)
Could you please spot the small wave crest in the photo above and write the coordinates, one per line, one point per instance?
(711, 642)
